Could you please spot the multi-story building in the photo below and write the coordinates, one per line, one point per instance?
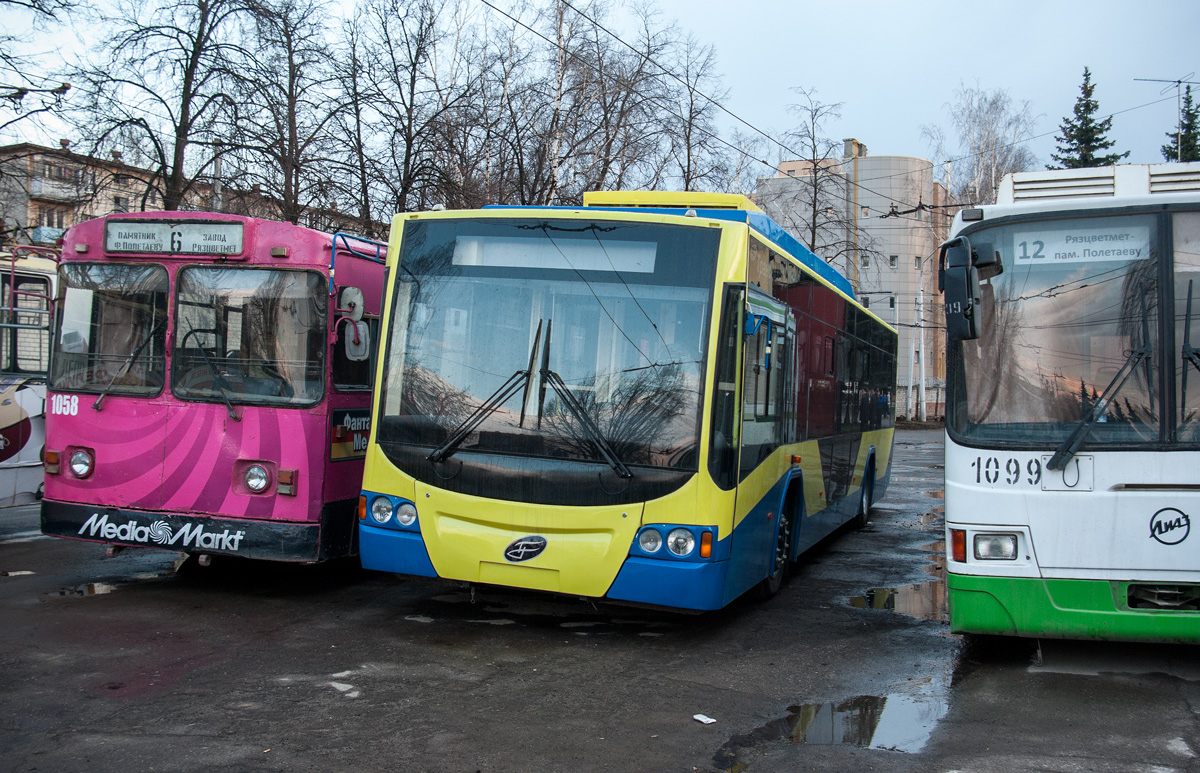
(44, 191)
(880, 220)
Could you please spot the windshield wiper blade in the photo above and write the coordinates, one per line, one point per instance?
(488, 407)
(593, 432)
(217, 378)
(1069, 446)
(1190, 353)
(121, 371)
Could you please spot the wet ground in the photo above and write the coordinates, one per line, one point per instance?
(127, 663)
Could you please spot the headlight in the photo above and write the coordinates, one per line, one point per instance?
(256, 478)
(381, 509)
(81, 464)
(995, 547)
(650, 540)
(406, 513)
(680, 542)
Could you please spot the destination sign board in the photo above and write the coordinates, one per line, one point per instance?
(1085, 244)
(156, 237)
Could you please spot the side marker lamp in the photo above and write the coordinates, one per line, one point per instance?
(995, 547)
(958, 545)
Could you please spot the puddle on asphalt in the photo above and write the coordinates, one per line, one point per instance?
(88, 589)
(900, 722)
(922, 600)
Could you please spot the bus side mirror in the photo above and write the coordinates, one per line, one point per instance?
(351, 303)
(358, 340)
(958, 278)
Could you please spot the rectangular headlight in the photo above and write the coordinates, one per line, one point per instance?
(995, 547)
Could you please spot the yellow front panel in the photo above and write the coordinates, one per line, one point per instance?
(585, 546)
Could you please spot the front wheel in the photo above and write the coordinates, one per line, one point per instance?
(769, 586)
(864, 501)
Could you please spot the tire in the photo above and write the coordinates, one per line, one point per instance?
(771, 584)
(859, 520)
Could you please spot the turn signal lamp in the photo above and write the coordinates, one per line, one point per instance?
(706, 544)
(362, 508)
(958, 545)
(285, 482)
(51, 461)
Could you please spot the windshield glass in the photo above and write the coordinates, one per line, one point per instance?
(1077, 302)
(612, 317)
(111, 331)
(249, 336)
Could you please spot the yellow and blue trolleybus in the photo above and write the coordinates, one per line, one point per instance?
(656, 398)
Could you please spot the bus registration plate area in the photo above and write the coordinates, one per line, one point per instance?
(1016, 471)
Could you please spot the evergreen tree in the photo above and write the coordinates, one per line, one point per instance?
(1184, 143)
(1083, 139)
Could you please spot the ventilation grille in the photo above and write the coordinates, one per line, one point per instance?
(1177, 598)
(1048, 187)
(1183, 181)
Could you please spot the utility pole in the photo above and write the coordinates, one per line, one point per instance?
(1178, 84)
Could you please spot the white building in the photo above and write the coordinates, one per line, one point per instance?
(880, 221)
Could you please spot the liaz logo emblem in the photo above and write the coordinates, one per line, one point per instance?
(525, 549)
(1170, 526)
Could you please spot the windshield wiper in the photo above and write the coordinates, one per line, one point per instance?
(489, 406)
(217, 378)
(1069, 446)
(121, 371)
(577, 410)
(1190, 353)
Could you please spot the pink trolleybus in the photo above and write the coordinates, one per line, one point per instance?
(210, 385)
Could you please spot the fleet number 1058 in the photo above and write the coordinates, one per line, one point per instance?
(992, 469)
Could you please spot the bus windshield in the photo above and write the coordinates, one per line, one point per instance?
(566, 339)
(112, 329)
(249, 336)
(1069, 334)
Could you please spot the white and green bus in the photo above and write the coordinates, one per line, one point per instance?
(1073, 411)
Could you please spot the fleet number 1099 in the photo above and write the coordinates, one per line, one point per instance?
(993, 470)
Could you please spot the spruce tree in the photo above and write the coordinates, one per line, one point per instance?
(1183, 145)
(1083, 139)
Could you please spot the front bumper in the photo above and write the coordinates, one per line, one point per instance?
(334, 536)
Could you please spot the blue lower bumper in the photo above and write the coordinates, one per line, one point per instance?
(390, 550)
(679, 584)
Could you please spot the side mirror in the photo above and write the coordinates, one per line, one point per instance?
(959, 280)
(350, 303)
(358, 340)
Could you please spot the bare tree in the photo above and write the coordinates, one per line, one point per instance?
(814, 200)
(157, 86)
(26, 93)
(698, 157)
(991, 131)
(280, 127)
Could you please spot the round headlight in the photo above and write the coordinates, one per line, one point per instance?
(81, 464)
(381, 509)
(406, 514)
(650, 540)
(680, 542)
(256, 478)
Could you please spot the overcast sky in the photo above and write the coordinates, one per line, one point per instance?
(895, 65)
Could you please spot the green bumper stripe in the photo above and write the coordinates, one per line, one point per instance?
(1060, 609)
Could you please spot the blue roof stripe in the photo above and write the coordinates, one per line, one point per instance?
(771, 230)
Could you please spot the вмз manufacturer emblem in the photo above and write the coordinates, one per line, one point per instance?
(525, 549)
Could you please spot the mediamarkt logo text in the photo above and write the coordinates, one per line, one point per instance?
(159, 532)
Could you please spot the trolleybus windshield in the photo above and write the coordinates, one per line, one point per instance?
(561, 339)
(1069, 333)
(111, 331)
(249, 336)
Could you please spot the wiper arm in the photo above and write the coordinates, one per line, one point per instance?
(488, 407)
(1069, 446)
(593, 432)
(1190, 353)
(121, 371)
(217, 379)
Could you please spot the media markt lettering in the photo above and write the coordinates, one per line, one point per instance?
(190, 535)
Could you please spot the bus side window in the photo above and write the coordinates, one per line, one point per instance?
(353, 375)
